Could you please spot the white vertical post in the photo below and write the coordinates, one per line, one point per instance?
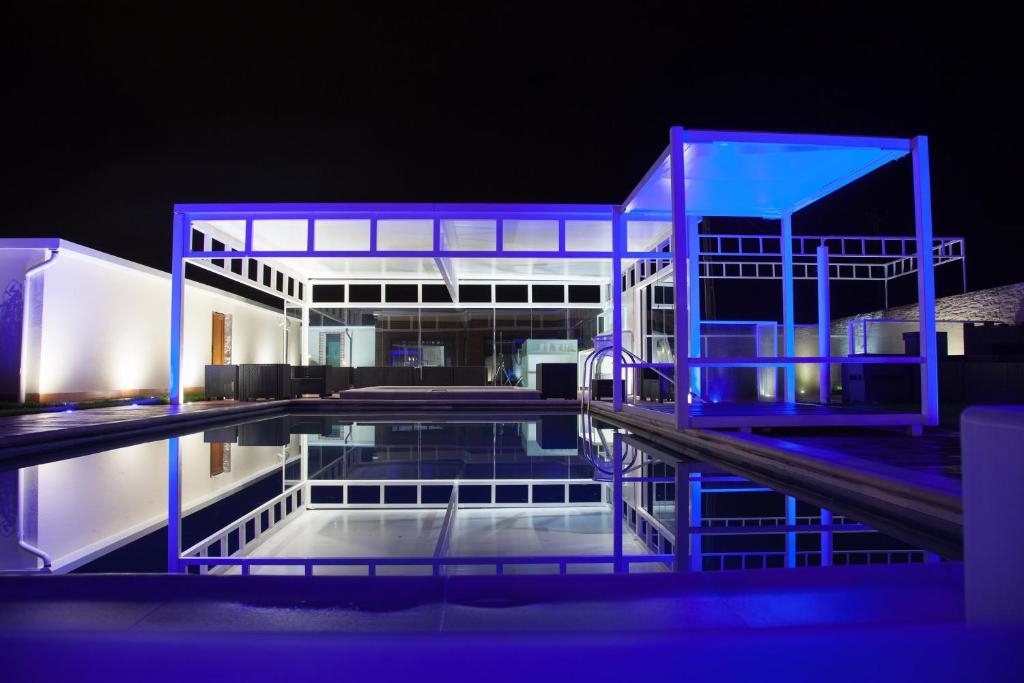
(693, 287)
(824, 327)
(304, 336)
(680, 289)
(174, 506)
(179, 235)
(284, 332)
(826, 539)
(788, 315)
(618, 248)
(925, 280)
(696, 509)
(681, 549)
(790, 535)
(619, 567)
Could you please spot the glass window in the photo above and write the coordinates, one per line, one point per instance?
(475, 294)
(436, 294)
(403, 294)
(507, 294)
(549, 294)
(588, 236)
(364, 293)
(530, 235)
(328, 293)
(227, 232)
(279, 235)
(405, 235)
(584, 294)
(341, 235)
(646, 235)
(467, 235)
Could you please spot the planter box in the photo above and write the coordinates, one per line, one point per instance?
(384, 377)
(436, 376)
(271, 381)
(221, 381)
(557, 380)
(469, 376)
(602, 388)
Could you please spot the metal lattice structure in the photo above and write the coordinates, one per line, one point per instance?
(285, 248)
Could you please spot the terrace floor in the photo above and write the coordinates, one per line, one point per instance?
(840, 623)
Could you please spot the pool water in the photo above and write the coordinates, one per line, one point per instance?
(316, 494)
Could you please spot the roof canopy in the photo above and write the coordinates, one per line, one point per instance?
(764, 175)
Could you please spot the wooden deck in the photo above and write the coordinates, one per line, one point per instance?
(781, 414)
(859, 471)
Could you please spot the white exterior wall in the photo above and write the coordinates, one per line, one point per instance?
(105, 329)
(13, 264)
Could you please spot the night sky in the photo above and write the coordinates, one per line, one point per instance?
(115, 111)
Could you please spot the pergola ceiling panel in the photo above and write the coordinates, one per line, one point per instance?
(384, 269)
(533, 269)
(758, 179)
(363, 268)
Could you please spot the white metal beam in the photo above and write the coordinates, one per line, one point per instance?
(681, 287)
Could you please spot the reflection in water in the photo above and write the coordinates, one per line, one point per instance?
(358, 495)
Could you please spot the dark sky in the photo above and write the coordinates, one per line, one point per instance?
(115, 111)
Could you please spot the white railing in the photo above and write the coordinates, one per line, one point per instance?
(766, 521)
(271, 515)
(492, 500)
(760, 560)
(436, 564)
(648, 528)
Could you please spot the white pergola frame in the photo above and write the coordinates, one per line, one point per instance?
(793, 253)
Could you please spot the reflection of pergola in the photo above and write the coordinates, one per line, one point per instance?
(288, 248)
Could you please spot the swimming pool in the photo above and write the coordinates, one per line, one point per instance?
(462, 494)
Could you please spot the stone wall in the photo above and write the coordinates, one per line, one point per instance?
(998, 304)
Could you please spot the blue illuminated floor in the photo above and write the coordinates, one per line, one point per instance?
(836, 624)
(876, 595)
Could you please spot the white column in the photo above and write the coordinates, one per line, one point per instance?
(824, 327)
(681, 549)
(826, 539)
(619, 567)
(618, 247)
(696, 512)
(788, 315)
(680, 289)
(693, 287)
(180, 234)
(174, 506)
(925, 280)
(304, 336)
(790, 535)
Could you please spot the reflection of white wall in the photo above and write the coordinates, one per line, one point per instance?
(105, 328)
(95, 503)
